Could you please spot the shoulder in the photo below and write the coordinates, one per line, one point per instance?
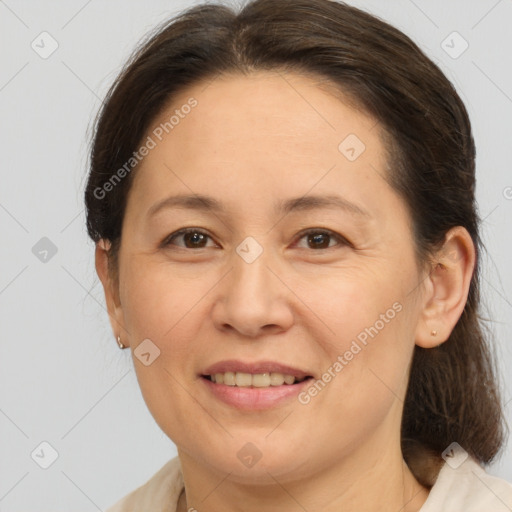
(470, 488)
(160, 492)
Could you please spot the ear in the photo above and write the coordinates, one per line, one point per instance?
(110, 288)
(446, 288)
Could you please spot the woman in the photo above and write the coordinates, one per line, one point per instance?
(283, 204)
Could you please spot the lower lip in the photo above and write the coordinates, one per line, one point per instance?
(255, 399)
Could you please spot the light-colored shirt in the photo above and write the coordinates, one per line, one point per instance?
(466, 488)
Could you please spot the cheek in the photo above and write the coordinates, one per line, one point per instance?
(368, 342)
(354, 304)
(156, 302)
(158, 307)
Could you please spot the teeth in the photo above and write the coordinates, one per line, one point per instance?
(260, 380)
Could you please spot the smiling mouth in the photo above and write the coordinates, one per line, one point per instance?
(259, 380)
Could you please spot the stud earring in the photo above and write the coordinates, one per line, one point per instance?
(433, 333)
(120, 343)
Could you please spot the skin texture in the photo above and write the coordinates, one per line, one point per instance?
(252, 141)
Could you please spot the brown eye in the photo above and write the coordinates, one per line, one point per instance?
(321, 239)
(192, 239)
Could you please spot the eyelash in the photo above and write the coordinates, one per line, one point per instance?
(342, 241)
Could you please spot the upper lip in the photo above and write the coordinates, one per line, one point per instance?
(233, 365)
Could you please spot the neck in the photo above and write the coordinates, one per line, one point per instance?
(383, 483)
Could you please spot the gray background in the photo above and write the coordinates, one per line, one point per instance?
(62, 378)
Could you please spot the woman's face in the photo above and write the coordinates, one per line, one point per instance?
(276, 156)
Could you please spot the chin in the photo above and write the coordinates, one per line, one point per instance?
(247, 464)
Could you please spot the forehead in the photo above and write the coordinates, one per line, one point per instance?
(268, 105)
(262, 138)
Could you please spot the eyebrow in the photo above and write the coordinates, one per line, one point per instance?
(304, 203)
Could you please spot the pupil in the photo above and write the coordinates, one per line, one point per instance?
(318, 238)
(194, 237)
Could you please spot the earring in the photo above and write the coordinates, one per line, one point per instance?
(433, 333)
(120, 343)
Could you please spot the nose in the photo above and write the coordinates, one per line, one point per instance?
(253, 298)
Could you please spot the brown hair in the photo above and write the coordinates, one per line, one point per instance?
(453, 392)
